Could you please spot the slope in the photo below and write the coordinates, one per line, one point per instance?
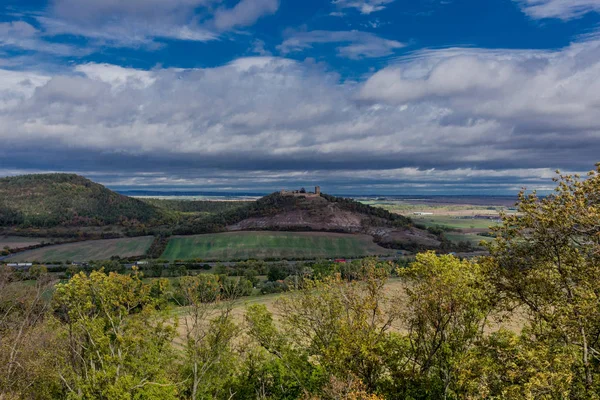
(48, 200)
(289, 211)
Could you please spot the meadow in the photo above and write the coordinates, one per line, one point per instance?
(263, 245)
(454, 222)
(87, 251)
(395, 288)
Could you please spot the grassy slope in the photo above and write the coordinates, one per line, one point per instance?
(244, 245)
(86, 251)
(47, 200)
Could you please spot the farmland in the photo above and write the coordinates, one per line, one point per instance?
(455, 222)
(466, 217)
(86, 251)
(262, 245)
(15, 242)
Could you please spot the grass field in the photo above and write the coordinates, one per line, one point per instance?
(394, 288)
(453, 222)
(86, 251)
(16, 242)
(261, 245)
(472, 238)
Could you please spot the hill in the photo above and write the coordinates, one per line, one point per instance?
(78, 207)
(49, 200)
(309, 212)
(200, 207)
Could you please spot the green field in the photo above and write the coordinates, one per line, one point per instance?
(87, 251)
(261, 245)
(453, 222)
(472, 238)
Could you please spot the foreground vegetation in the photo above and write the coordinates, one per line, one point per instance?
(338, 334)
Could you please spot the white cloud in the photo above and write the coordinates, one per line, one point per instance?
(24, 36)
(356, 45)
(562, 9)
(527, 90)
(136, 23)
(364, 6)
(244, 13)
(258, 47)
(493, 117)
(117, 76)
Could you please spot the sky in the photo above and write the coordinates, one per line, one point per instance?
(357, 96)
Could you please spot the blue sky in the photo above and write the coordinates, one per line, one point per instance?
(359, 96)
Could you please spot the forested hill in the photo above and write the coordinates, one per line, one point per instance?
(48, 200)
(296, 212)
(69, 200)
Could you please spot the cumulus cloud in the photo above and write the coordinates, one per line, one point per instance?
(454, 118)
(364, 6)
(541, 91)
(356, 44)
(562, 9)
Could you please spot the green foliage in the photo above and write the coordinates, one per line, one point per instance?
(29, 344)
(546, 260)
(209, 362)
(447, 310)
(378, 213)
(509, 366)
(195, 206)
(50, 200)
(329, 330)
(118, 342)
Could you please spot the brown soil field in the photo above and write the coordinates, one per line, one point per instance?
(88, 250)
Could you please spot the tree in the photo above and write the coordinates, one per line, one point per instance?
(505, 365)
(546, 258)
(331, 330)
(28, 340)
(209, 331)
(447, 309)
(118, 342)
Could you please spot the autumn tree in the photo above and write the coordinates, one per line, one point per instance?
(209, 331)
(546, 259)
(119, 345)
(330, 331)
(28, 341)
(448, 305)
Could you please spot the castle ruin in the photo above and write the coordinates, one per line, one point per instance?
(302, 192)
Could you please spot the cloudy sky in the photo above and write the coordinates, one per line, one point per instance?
(359, 96)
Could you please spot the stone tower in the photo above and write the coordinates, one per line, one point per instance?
(318, 190)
